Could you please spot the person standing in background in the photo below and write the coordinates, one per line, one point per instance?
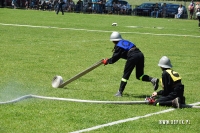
(164, 10)
(61, 3)
(26, 4)
(79, 6)
(14, 4)
(191, 9)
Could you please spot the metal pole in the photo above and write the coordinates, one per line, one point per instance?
(81, 74)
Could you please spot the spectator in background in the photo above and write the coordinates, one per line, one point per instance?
(164, 10)
(32, 4)
(100, 6)
(116, 1)
(26, 4)
(88, 7)
(50, 5)
(55, 4)
(79, 6)
(70, 6)
(115, 8)
(14, 4)
(197, 6)
(103, 5)
(94, 6)
(40, 4)
(118, 7)
(155, 10)
(61, 3)
(43, 5)
(123, 9)
(180, 11)
(191, 9)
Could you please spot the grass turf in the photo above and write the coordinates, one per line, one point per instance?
(66, 45)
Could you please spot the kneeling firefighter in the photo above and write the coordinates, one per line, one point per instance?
(173, 89)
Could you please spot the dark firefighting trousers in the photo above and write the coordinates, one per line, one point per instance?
(135, 59)
(167, 100)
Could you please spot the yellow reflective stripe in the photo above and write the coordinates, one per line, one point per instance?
(157, 104)
(124, 80)
(161, 83)
(141, 77)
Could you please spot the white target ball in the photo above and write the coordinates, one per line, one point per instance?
(198, 14)
(57, 81)
(114, 24)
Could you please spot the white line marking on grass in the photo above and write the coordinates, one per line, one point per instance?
(144, 27)
(31, 26)
(121, 121)
(127, 120)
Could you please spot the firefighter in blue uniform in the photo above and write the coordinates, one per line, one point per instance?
(127, 50)
(173, 89)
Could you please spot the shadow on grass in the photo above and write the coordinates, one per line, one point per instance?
(135, 95)
(89, 90)
(103, 91)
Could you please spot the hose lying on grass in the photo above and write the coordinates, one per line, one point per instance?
(90, 101)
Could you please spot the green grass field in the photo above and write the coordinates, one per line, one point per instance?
(37, 45)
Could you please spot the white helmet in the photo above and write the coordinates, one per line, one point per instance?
(165, 62)
(198, 13)
(115, 36)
